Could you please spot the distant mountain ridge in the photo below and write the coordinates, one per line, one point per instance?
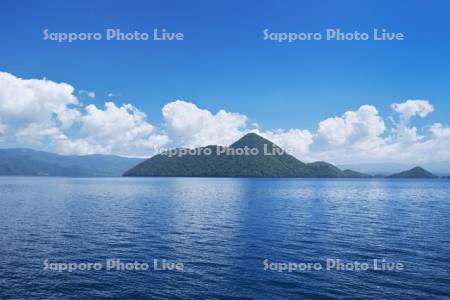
(274, 163)
(383, 169)
(416, 172)
(271, 161)
(28, 162)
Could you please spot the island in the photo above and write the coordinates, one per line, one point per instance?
(250, 156)
(416, 172)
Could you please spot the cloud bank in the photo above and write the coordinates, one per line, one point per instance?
(43, 114)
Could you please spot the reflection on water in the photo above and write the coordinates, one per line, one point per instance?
(222, 230)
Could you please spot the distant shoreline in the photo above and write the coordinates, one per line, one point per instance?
(231, 177)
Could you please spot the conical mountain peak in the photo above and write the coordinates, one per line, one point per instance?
(253, 140)
(269, 161)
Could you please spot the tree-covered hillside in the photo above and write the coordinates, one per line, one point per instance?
(215, 161)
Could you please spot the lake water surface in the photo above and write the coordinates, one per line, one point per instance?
(224, 232)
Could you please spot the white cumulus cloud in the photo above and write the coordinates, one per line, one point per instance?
(121, 130)
(40, 112)
(294, 141)
(192, 126)
(31, 109)
(351, 128)
(47, 115)
(404, 133)
(411, 108)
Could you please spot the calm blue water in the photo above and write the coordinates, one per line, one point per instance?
(222, 230)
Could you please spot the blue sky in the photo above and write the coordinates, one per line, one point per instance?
(224, 63)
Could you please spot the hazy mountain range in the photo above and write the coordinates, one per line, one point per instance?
(27, 162)
(438, 168)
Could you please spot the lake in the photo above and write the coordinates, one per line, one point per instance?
(224, 238)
